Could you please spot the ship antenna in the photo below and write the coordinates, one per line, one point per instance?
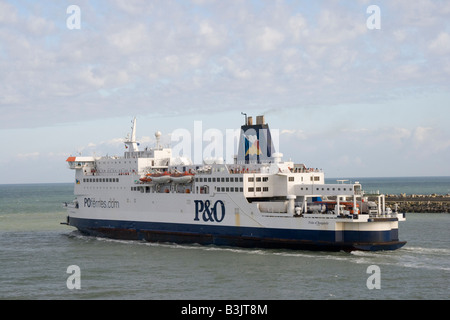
(157, 136)
(131, 141)
(243, 113)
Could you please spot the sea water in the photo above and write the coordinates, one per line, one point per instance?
(36, 252)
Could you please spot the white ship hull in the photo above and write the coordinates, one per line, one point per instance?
(226, 219)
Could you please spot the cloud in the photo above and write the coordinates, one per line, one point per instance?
(28, 156)
(441, 44)
(269, 39)
(206, 56)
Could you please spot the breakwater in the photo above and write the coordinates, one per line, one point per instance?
(432, 203)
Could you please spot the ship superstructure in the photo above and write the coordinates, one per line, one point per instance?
(259, 200)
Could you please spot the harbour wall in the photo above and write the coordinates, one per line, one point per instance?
(432, 203)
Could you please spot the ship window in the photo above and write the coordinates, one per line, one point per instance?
(250, 179)
(258, 189)
(209, 179)
(291, 178)
(228, 189)
(200, 179)
(265, 179)
(231, 179)
(251, 189)
(223, 180)
(258, 179)
(241, 179)
(231, 189)
(213, 179)
(265, 189)
(227, 179)
(316, 178)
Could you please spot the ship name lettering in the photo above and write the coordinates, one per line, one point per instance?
(318, 223)
(213, 213)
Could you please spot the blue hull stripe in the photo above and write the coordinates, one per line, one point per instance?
(240, 236)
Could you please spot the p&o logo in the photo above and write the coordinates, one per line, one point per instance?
(213, 213)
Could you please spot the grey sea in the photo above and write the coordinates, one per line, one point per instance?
(37, 255)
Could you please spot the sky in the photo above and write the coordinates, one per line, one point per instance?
(355, 92)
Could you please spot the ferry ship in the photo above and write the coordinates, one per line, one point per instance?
(258, 201)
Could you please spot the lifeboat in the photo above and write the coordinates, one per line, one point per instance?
(147, 178)
(179, 177)
(162, 177)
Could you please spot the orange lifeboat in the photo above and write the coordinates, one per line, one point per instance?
(162, 177)
(179, 177)
(147, 178)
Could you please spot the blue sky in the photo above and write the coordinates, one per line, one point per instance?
(353, 101)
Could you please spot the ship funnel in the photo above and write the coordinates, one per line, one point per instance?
(255, 142)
